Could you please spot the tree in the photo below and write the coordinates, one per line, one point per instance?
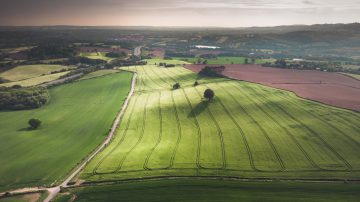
(209, 94)
(196, 83)
(246, 61)
(253, 60)
(34, 123)
(176, 86)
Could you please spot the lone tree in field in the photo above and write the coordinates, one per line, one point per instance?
(209, 94)
(176, 86)
(196, 83)
(34, 123)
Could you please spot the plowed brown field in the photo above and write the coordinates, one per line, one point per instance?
(329, 88)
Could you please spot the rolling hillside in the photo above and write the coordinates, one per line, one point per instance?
(74, 122)
(248, 130)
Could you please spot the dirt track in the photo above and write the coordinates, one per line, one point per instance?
(329, 88)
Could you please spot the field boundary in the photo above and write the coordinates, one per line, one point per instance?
(55, 190)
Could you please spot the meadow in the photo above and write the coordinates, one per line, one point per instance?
(75, 121)
(214, 190)
(97, 55)
(98, 73)
(35, 80)
(248, 130)
(30, 71)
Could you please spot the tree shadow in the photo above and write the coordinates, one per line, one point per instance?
(198, 109)
(26, 129)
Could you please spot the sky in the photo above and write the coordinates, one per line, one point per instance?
(200, 13)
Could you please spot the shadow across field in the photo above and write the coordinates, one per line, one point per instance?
(198, 109)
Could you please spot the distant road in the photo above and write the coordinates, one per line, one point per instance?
(137, 51)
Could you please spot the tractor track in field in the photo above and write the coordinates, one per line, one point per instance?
(172, 159)
(145, 166)
(217, 126)
(278, 157)
(121, 140)
(248, 150)
(326, 144)
(344, 120)
(348, 165)
(139, 140)
(219, 132)
(151, 79)
(198, 153)
(178, 126)
(307, 156)
(326, 123)
(199, 134)
(158, 76)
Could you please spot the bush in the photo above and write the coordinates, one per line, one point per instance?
(212, 71)
(196, 83)
(176, 86)
(115, 54)
(209, 94)
(34, 123)
(17, 98)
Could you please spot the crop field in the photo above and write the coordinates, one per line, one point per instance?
(169, 61)
(30, 71)
(96, 55)
(326, 87)
(248, 130)
(35, 80)
(226, 60)
(98, 73)
(214, 190)
(76, 120)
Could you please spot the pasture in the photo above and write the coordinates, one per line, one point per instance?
(248, 130)
(214, 190)
(96, 55)
(30, 71)
(98, 73)
(75, 121)
(36, 80)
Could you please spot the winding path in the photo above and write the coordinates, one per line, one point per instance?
(53, 191)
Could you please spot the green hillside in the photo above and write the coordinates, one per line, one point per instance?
(248, 130)
(76, 120)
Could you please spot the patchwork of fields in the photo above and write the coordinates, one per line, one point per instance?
(248, 130)
(30, 71)
(74, 122)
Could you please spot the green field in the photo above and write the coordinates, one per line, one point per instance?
(97, 55)
(226, 60)
(249, 130)
(36, 80)
(215, 190)
(30, 71)
(74, 122)
(99, 73)
(172, 61)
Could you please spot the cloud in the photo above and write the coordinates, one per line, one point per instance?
(180, 12)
